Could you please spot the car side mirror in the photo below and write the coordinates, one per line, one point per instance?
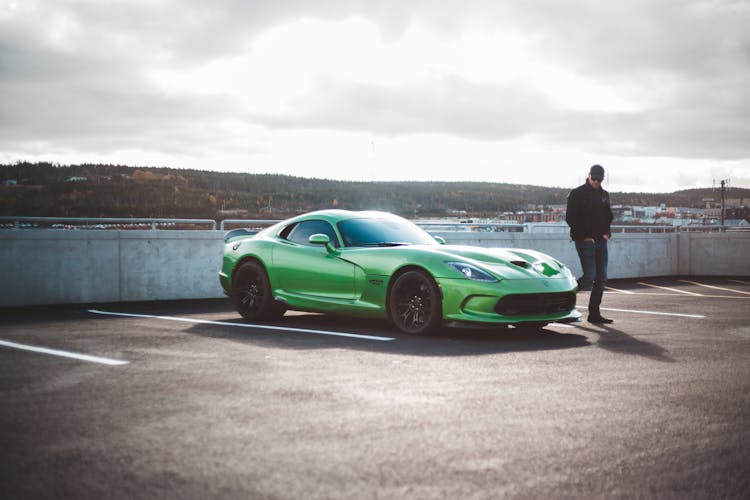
(321, 239)
(440, 239)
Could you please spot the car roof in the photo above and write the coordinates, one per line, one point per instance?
(330, 215)
(335, 215)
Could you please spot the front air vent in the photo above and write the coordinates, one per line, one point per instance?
(536, 303)
(521, 263)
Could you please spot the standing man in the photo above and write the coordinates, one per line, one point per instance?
(589, 216)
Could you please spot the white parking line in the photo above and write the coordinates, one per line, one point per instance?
(627, 292)
(671, 289)
(657, 294)
(656, 313)
(741, 282)
(64, 354)
(243, 325)
(714, 287)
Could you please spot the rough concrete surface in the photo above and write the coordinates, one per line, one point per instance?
(653, 406)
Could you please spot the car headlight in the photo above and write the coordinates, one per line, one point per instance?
(472, 272)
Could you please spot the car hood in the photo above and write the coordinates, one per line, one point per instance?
(509, 263)
(505, 263)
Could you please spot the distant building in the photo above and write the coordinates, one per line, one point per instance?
(734, 202)
(239, 212)
(732, 222)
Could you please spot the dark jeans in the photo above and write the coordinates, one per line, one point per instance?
(593, 255)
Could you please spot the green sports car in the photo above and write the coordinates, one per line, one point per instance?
(379, 265)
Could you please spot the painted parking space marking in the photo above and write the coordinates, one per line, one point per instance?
(693, 294)
(63, 354)
(244, 325)
(656, 294)
(627, 292)
(723, 297)
(741, 282)
(673, 295)
(655, 313)
(714, 287)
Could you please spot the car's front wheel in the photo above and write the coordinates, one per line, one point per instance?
(251, 293)
(414, 304)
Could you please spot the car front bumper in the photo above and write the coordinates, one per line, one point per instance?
(477, 302)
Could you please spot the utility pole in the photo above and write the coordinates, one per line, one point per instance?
(724, 186)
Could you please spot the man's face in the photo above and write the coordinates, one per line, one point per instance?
(595, 182)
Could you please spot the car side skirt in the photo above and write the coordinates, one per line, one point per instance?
(331, 305)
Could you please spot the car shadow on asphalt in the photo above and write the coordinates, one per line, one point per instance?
(448, 341)
(620, 342)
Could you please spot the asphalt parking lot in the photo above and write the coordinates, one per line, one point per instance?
(183, 400)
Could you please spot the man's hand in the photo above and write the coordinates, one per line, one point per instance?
(588, 239)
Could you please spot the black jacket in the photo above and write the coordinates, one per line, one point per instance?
(589, 213)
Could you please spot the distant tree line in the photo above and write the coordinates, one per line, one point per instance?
(46, 189)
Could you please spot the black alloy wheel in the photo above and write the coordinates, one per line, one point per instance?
(414, 303)
(251, 293)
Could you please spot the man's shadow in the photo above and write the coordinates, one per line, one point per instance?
(618, 341)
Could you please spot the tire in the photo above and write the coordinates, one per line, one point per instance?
(251, 293)
(414, 304)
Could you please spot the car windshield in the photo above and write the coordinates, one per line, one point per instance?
(373, 232)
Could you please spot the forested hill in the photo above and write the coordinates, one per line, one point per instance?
(43, 189)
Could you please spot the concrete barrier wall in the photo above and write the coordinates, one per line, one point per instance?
(720, 254)
(63, 267)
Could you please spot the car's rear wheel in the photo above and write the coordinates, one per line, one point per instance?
(414, 304)
(251, 293)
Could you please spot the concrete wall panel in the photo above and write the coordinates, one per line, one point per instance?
(165, 265)
(47, 267)
(641, 255)
(723, 254)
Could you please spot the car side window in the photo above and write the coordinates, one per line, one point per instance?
(284, 233)
(301, 232)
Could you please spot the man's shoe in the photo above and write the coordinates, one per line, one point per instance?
(600, 320)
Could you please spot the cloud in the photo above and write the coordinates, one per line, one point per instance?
(501, 112)
(448, 105)
(624, 79)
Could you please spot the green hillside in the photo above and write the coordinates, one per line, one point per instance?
(43, 189)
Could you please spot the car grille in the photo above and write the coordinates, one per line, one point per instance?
(535, 303)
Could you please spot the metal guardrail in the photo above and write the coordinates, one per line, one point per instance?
(519, 228)
(677, 229)
(21, 222)
(496, 227)
(97, 222)
(247, 222)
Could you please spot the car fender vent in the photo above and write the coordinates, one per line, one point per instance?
(521, 263)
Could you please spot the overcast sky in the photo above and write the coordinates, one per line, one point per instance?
(530, 92)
